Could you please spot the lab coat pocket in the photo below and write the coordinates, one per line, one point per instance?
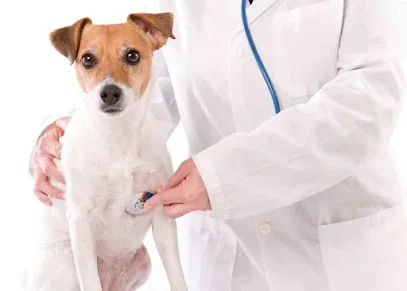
(211, 248)
(303, 46)
(368, 253)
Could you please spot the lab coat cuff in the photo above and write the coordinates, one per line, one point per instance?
(220, 200)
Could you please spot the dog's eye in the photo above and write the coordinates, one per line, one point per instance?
(132, 57)
(88, 61)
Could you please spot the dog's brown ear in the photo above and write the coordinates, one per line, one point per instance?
(157, 26)
(66, 39)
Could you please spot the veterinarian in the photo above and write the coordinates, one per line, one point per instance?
(307, 199)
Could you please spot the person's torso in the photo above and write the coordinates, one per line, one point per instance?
(217, 83)
(220, 91)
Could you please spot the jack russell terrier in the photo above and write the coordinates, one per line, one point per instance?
(112, 151)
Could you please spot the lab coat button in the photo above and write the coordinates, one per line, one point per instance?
(265, 228)
(238, 52)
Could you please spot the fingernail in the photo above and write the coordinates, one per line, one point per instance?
(49, 203)
(147, 207)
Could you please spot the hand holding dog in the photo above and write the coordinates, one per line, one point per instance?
(42, 166)
(185, 192)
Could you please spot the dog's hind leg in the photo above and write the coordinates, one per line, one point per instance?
(139, 270)
(126, 273)
(52, 269)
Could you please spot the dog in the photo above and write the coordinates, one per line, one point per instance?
(112, 150)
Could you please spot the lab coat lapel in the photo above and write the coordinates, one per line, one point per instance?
(258, 7)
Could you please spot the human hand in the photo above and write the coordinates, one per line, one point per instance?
(42, 166)
(185, 192)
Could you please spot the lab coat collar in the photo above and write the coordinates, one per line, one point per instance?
(255, 10)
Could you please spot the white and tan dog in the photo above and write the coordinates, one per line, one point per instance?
(112, 150)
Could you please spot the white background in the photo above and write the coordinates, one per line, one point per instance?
(35, 82)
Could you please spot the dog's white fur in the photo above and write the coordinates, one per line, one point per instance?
(91, 243)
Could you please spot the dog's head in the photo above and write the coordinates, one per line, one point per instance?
(114, 62)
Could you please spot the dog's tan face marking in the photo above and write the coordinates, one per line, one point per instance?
(113, 62)
(110, 44)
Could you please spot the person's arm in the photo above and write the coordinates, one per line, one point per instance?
(42, 167)
(310, 147)
(51, 122)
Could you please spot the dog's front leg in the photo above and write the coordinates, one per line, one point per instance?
(166, 239)
(84, 253)
(82, 240)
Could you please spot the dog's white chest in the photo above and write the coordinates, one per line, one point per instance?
(106, 174)
(117, 233)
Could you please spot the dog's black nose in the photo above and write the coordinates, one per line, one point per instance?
(111, 94)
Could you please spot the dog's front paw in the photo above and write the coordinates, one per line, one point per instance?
(180, 287)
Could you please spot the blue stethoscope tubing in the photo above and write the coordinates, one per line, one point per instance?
(259, 63)
(258, 58)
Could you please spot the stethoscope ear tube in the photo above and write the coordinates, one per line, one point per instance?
(258, 59)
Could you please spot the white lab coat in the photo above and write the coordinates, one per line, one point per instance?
(308, 199)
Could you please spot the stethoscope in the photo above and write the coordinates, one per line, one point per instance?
(137, 207)
(258, 59)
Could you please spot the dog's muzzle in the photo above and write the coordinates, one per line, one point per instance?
(111, 96)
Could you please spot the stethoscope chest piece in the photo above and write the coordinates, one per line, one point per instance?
(136, 207)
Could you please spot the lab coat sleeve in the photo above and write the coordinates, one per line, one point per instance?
(163, 104)
(310, 147)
